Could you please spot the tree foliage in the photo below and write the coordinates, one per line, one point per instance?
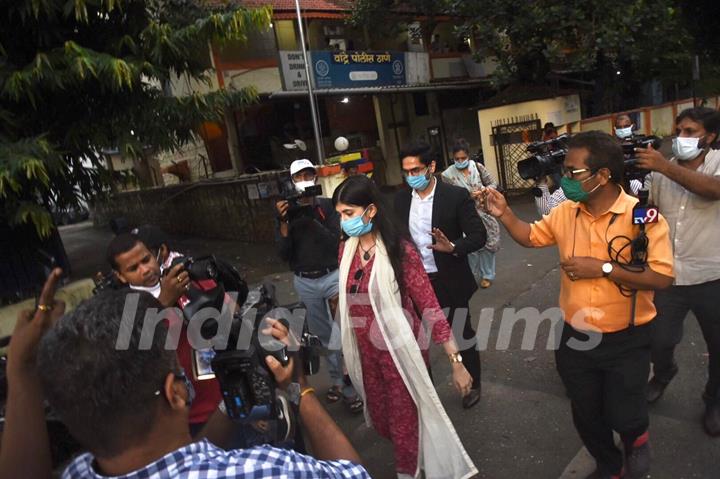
(80, 76)
(385, 18)
(700, 19)
(641, 39)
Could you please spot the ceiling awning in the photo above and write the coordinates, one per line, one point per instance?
(378, 90)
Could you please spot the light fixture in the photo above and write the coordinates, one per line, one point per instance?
(272, 25)
(345, 100)
(618, 72)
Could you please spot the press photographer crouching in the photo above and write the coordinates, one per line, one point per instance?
(130, 407)
(308, 236)
(136, 267)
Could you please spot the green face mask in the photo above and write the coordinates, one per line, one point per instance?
(573, 189)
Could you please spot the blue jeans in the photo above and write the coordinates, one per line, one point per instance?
(315, 293)
(482, 264)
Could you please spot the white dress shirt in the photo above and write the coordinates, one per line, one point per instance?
(694, 224)
(420, 223)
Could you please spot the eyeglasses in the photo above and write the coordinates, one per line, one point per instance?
(419, 171)
(570, 173)
(357, 277)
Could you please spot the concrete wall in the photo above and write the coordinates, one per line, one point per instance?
(559, 110)
(662, 121)
(211, 209)
(285, 34)
(193, 153)
(656, 120)
(448, 67)
(72, 294)
(265, 80)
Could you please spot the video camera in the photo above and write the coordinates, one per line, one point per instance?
(547, 158)
(641, 141)
(247, 384)
(292, 196)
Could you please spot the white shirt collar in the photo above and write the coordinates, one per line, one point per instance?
(432, 193)
(154, 290)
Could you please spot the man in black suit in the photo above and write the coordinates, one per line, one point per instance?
(445, 227)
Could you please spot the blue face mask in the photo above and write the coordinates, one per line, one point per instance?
(355, 226)
(461, 165)
(419, 182)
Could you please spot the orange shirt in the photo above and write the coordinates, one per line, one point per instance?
(598, 302)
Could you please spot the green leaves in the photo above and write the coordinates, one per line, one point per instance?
(587, 37)
(78, 76)
(31, 212)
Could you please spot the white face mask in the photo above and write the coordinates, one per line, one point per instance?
(301, 185)
(686, 149)
(623, 133)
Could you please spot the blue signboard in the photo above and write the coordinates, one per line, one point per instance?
(357, 69)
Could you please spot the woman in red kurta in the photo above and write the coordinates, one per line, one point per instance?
(390, 405)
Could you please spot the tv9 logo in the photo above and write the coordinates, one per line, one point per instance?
(643, 215)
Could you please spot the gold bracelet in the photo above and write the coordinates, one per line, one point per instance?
(307, 391)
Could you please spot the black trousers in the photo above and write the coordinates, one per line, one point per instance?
(673, 305)
(607, 387)
(448, 299)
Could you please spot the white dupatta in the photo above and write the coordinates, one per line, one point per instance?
(440, 452)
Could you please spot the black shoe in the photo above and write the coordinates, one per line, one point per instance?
(471, 399)
(656, 387)
(711, 419)
(637, 459)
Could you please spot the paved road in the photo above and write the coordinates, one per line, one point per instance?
(522, 427)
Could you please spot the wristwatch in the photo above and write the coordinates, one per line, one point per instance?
(607, 268)
(455, 357)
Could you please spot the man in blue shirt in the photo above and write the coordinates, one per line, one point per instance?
(129, 406)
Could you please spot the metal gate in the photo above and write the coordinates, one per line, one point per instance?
(510, 137)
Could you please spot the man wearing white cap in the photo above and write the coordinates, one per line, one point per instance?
(308, 233)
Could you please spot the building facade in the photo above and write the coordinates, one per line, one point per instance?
(376, 93)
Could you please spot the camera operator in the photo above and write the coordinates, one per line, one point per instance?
(308, 235)
(686, 189)
(549, 131)
(546, 200)
(624, 127)
(130, 407)
(157, 242)
(606, 383)
(138, 269)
